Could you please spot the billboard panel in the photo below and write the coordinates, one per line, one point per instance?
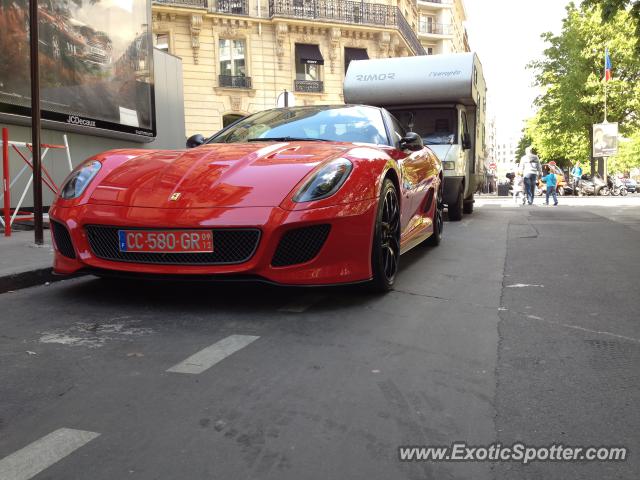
(605, 139)
(96, 65)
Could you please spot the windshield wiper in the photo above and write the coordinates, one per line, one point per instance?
(287, 139)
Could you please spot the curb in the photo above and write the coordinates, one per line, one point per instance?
(30, 278)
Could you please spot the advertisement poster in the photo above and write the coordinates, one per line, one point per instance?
(96, 64)
(605, 139)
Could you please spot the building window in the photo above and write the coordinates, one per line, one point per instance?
(231, 118)
(232, 58)
(309, 63)
(161, 41)
(426, 24)
(429, 50)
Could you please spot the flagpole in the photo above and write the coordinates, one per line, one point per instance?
(605, 101)
(606, 81)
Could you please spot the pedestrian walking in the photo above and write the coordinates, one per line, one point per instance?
(530, 169)
(518, 190)
(552, 184)
(576, 175)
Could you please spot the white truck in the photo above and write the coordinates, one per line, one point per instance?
(443, 99)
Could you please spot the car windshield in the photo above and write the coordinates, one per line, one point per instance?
(338, 124)
(436, 126)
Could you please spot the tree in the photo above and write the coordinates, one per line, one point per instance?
(570, 76)
(610, 9)
(524, 142)
(628, 156)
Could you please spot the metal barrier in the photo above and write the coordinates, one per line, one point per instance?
(7, 219)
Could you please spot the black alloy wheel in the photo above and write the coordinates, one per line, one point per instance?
(386, 239)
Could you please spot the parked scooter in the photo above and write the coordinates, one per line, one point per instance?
(592, 185)
(616, 186)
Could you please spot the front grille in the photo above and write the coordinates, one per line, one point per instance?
(229, 246)
(300, 245)
(62, 239)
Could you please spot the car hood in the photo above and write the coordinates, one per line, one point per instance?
(216, 175)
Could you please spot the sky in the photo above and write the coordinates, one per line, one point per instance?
(506, 36)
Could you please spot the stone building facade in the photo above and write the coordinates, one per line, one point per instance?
(238, 56)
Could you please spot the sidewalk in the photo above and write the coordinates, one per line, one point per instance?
(22, 264)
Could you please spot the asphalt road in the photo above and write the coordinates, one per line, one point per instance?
(521, 326)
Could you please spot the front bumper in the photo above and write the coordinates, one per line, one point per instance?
(345, 256)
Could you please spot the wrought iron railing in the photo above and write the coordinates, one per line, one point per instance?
(235, 7)
(309, 86)
(435, 28)
(348, 11)
(443, 2)
(409, 35)
(182, 3)
(234, 81)
(344, 11)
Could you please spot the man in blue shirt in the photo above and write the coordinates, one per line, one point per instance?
(576, 174)
(552, 183)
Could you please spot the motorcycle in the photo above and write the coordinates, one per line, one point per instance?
(592, 185)
(616, 186)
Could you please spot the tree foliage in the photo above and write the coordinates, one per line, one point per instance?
(571, 78)
(523, 143)
(628, 156)
(610, 9)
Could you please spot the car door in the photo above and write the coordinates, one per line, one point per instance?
(417, 177)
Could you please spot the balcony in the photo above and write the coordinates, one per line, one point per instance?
(308, 86)
(438, 3)
(234, 7)
(435, 29)
(234, 81)
(350, 12)
(182, 3)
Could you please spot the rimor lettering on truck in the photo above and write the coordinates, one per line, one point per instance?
(376, 76)
(443, 99)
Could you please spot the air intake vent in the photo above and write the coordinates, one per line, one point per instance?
(300, 245)
(62, 239)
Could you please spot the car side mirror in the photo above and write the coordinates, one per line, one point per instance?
(195, 140)
(412, 142)
(466, 141)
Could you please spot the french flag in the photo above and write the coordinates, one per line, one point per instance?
(607, 66)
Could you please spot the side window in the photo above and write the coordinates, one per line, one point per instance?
(463, 128)
(397, 131)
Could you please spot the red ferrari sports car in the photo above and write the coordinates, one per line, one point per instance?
(297, 196)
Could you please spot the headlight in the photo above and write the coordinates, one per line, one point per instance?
(325, 182)
(79, 179)
(449, 165)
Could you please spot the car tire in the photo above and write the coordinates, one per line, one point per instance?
(386, 240)
(467, 206)
(438, 221)
(455, 210)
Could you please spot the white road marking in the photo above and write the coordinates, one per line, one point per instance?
(582, 329)
(208, 357)
(27, 462)
(523, 285)
(302, 304)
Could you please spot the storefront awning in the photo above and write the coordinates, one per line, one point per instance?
(309, 54)
(355, 54)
